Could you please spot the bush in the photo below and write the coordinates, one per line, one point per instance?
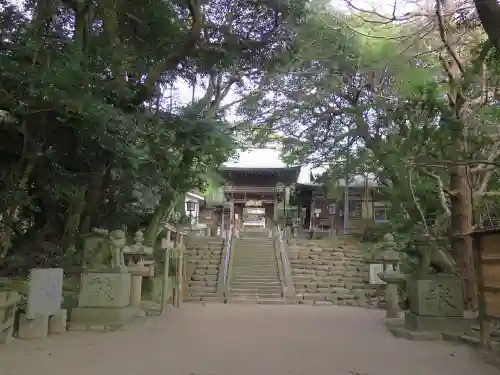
(375, 232)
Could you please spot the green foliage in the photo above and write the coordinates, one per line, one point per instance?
(86, 135)
(375, 232)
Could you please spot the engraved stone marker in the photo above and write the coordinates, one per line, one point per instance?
(439, 296)
(45, 292)
(105, 289)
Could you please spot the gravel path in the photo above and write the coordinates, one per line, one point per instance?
(244, 339)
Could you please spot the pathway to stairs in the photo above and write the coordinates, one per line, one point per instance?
(245, 339)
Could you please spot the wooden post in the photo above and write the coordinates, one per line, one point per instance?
(180, 279)
(166, 279)
(312, 215)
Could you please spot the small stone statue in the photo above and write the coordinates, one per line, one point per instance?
(95, 254)
(103, 249)
(431, 255)
(117, 241)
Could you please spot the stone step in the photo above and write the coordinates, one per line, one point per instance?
(192, 294)
(248, 274)
(266, 265)
(256, 289)
(267, 301)
(255, 271)
(256, 284)
(254, 250)
(256, 297)
(262, 278)
(259, 246)
(201, 299)
(202, 289)
(192, 283)
(270, 263)
(257, 277)
(257, 292)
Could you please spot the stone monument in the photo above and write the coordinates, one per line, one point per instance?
(436, 299)
(43, 309)
(436, 303)
(104, 297)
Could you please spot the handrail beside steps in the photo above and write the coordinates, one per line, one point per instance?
(285, 260)
(227, 255)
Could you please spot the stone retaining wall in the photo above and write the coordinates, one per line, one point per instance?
(204, 256)
(331, 271)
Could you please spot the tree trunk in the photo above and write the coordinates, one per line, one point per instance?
(489, 14)
(461, 223)
(163, 212)
(94, 194)
(73, 220)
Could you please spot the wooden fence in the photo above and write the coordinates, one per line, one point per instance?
(487, 251)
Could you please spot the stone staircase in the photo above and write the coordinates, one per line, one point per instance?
(331, 271)
(255, 274)
(204, 257)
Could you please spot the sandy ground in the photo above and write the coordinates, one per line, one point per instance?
(244, 339)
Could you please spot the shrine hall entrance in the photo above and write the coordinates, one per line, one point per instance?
(253, 196)
(254, 217)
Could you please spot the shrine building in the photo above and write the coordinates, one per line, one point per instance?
(263, 197)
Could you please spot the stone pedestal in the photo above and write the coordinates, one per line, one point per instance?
(392, 301)
(104, 301)
(8, 307)
(57, 322)
(436, 304)
(36, 328)
(436, 296)
(136, 291)
(393, 279)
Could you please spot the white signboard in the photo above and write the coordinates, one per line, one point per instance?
(375, 269)
(45, 291)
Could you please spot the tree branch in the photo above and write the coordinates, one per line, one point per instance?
(148, 88)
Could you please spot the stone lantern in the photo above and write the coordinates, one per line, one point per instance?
(140, 263)
(392, 276)
(384, 269)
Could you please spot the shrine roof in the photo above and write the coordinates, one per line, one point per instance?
(285, 175)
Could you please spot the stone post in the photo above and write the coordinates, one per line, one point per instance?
(136, 291)
(392, 301)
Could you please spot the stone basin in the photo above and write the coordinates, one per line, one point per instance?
(392, 277)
